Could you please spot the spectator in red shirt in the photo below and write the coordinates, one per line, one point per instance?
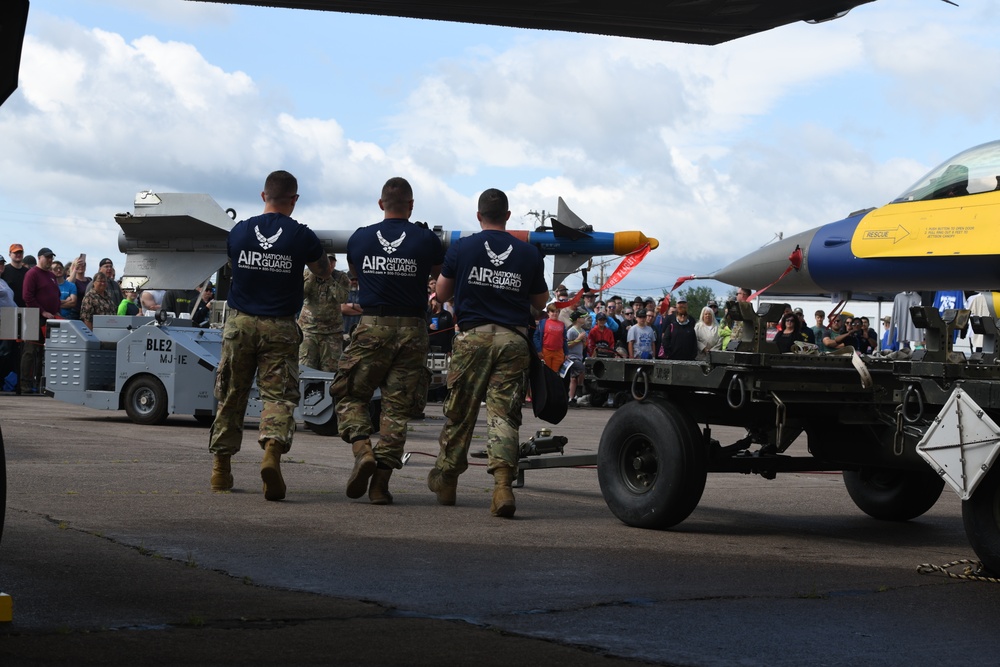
(550, 339)
(601, 341)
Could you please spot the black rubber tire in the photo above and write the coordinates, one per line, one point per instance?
(981, 516)
(146, 400)
(327, 428)
(651, 465)
(3, 485)
(375, 414)
(437, 394)
(621, 398)
(893, 495)
(597, 398)
(331, 427)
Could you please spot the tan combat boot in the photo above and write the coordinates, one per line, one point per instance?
(444, 485)
(364, 467)
(503, 496)
(378, 492)
(222, 473)
(270, 471)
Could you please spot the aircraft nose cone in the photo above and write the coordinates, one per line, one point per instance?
(764, 266)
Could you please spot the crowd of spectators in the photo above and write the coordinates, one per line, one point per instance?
(67, 291)
(642, 328)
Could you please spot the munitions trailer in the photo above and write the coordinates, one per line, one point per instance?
(898, 426)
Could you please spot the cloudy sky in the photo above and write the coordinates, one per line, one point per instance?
(712, 150)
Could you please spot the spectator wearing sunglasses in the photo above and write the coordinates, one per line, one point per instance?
(834, 336)
(861, 337)
(790, 331)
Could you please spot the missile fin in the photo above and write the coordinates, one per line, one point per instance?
(565, 265)
(160, 270)
(568, 224)
(561, 231)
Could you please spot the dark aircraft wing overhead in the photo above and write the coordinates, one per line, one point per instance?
(691, 21)
(13, 18)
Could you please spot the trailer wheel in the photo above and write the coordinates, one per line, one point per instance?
(620, 398)
(893, 495)
(375, 414)
(329, 427)
(597, 398)
(3, 485)
(981, 516)
(651, 465)
(146, 401)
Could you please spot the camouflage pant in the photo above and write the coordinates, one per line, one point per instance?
(390, 356)
(265, 347)
(321, 350)
(491, 366)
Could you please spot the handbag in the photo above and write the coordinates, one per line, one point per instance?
(549, 395)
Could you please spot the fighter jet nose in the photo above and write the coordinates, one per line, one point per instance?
(764, 266)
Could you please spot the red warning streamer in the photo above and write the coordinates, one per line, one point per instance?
(794, 262)
(629, 262)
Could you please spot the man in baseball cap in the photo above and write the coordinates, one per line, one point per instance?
(41, 291)
(107, 267)
(13, 274)
(15, 271)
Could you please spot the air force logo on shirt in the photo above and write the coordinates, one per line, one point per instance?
(266, 242)
(389, 246)
(496, 259)
(487, 277)
(265, 261)
(405, 267)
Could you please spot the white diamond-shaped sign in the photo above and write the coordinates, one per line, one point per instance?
(962, 444)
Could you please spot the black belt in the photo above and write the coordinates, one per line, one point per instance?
(393, 321)
(494, 328)
(394, 311)
(267, 317)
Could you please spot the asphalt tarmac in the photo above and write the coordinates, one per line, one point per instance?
(115, 551)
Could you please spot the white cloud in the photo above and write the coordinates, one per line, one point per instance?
(935, 69)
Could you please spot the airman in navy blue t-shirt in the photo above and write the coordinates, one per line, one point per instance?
(261, 338)
(496, 280)
(393, 260)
